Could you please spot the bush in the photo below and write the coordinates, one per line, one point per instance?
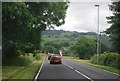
(38, 57)
(107, 59)
(19, 52)
(20, 61)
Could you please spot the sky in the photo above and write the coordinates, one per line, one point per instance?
(83, 17)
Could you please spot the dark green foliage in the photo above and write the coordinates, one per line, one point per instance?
(10, 51)
(38, 56)
(19, 61)
(84, 47)
(64, 39)
(65, 44)
(49, 49)
(23, 23)
(14, 28)
(107, 59)
(113, 31)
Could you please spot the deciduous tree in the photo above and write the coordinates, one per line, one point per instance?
(113, 31)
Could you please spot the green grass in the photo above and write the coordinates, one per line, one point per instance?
(20, 61)
(22, 72)
(90, 36)
(56, 40)
(66, 34)
(9, 71)
(59, 40)
(111, 69)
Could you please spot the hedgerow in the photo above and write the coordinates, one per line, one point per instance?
(107, 59)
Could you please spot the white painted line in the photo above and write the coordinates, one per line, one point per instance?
(111, 72)
(65, 64)
(83, 75)
(39, 70)
(99, 68)
(70, 67)
(78, 72)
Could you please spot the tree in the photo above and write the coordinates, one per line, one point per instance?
(23, 23)
(65, 44)
(84, 47)
(46, 15)
(49, 49)
(16, 24)
(113, 31)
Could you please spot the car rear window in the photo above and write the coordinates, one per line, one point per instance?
(56, 56)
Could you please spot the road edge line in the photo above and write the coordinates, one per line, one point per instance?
(39, 70)
(111, 72)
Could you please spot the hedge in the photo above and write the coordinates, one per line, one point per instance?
(107, 59)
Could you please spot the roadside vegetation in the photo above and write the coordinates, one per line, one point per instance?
(107, 59)
(22, 25)
(88, 62)
(23, 37)
(23, 67)
(58, 40)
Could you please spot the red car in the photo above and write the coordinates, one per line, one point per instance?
(55, 59)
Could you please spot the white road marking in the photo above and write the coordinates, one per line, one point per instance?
(39, 70)
(83, 75)
(111, 72)
(78, 72)
(71, 67)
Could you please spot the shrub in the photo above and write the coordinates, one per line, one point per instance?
(20, 61)
(107, 59)
(19, 52)
(38, 57)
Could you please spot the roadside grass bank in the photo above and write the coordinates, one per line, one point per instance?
(23, 72)
(107, 68)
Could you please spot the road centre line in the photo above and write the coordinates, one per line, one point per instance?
(71, 67)
(110, 72)
(78, 72)
(83, 75)
(39, 70)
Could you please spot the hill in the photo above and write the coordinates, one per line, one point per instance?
(61, 36)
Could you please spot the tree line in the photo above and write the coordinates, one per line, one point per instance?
(23, 22)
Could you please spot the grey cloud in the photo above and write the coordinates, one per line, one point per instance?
(82, 16)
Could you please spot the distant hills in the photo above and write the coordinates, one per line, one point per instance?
(61, 36)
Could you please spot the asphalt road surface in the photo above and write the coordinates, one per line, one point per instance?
(73, 71)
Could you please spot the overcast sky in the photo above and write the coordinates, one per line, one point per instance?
(82, 17)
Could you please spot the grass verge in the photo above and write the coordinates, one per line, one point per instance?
(111, 69)
(22, 72)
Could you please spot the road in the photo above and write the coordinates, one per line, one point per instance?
(73, 71)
